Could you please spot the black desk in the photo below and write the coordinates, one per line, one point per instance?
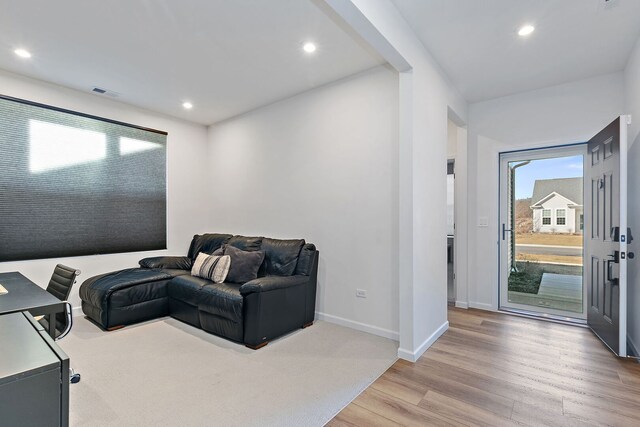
(24, 295)
(34, 375)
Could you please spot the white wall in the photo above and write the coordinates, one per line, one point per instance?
(186, 171)
(632, 92)
(452, 139)
(426, 96)
(322, 166)
(563, 114)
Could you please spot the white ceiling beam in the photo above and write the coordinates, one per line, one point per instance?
(357, 20)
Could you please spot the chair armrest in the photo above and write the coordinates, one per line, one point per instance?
(69, 314)
(270, 283)
(178, 262)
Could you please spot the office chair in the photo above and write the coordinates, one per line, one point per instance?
(59, 286)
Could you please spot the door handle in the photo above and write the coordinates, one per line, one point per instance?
(610, 278)
(615, 257)
(504, 231)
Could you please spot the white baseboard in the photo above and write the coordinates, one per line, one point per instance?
(375, 330)
(462, 304)
(481, 306)
(77, 311)
(412, 356)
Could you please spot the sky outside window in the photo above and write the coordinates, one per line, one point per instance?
(560, 167)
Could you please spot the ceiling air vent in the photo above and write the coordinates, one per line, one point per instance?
(102, 91)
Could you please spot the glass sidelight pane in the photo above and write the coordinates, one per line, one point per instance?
(545, 198)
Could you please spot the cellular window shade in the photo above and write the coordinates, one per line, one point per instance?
(73, 184)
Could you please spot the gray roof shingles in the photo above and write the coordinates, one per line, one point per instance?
(571, 188)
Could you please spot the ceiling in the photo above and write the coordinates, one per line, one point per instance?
(228, 57)
(225, 57)
(477, 44)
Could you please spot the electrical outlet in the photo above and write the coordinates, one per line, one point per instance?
(361, 293)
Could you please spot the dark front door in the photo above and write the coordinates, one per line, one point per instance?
(605, 178)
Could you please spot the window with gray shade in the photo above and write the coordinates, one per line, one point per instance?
(73, 184)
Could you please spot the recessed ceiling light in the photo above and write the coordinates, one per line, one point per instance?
(22, 53)
(309, 47)
(526, 30)
(187, 105)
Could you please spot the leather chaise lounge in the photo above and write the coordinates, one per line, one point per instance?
(279, 300)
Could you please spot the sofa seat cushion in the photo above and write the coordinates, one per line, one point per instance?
(222, 299)
(186, 289)
(173, 272)
(139, 293)
(98, 289)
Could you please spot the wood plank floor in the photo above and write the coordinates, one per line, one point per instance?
(494, 369)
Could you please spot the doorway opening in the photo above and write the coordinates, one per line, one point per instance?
(541, 232)
(451, 290)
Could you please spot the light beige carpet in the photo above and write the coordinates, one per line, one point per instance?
(166, 373)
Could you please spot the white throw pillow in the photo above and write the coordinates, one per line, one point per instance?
(211, 267)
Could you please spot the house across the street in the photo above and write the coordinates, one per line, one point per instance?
(558, 206)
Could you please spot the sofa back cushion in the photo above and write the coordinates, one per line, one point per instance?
(245, 243)
(206, 243)
(305, 260)
(280, 256)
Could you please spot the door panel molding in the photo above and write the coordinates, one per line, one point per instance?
(607, 287)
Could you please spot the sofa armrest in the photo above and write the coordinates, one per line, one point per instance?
(270, 283)
(177, 262)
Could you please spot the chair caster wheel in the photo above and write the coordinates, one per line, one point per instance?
(74, 379)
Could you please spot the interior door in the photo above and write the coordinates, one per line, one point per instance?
(606, 260)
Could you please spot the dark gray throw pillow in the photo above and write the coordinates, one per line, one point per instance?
(244, 264)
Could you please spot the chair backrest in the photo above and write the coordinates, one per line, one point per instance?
(62, 280)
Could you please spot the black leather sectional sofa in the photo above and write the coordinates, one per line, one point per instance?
(281, 299)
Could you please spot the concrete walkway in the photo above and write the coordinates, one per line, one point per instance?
(557, 291)
(561, 287)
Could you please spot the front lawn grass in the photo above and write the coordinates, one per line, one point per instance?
(553, 239)
(562, 259)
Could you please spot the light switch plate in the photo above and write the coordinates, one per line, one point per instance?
(483, 221)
